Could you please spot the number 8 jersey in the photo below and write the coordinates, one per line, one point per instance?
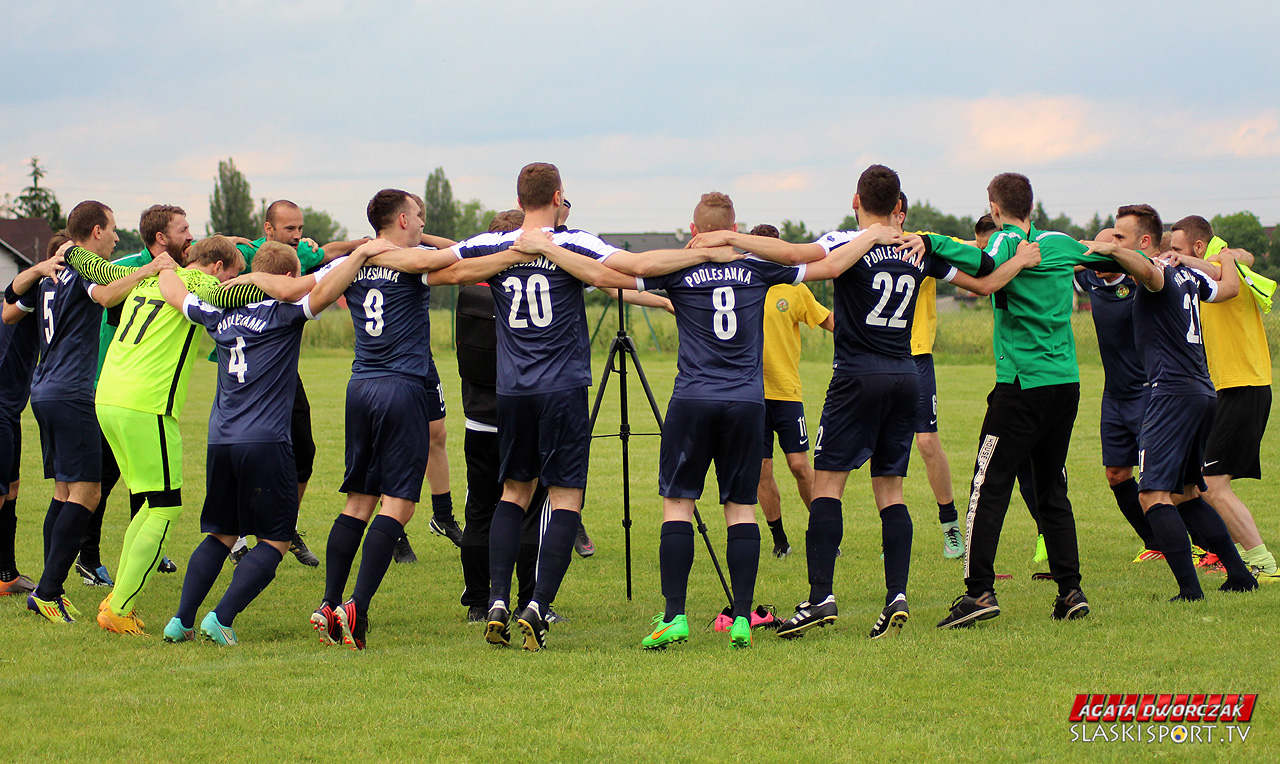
(543, 343)
(391, 314)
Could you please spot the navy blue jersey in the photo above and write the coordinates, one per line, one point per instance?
(391, 312)
(258, 347)
(19, 344)
(543, 342)
(875, 302)
(69, 325)
(1168, 323)
(1111, 303)
(720, 318)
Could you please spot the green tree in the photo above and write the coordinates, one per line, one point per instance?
(441, 214)
(470, 218)
(923, 216)
(320, 226)
(796, 232)
(130, 242)
(1242, 230)
(850, 223)
(37, 201)
(231, 204)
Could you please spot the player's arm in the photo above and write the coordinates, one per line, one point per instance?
(844, 256)
(643, 299)
(414, 259)
(112, 293)
(254, 287)
(335, 249)
(586, 269)
(14, 311)
(173, 289)
(1243, 256)
(660, 262)
(1026, 256)
(439, 242)
(767, 247)
(968, 259)
(472, 270)
(829, 323)
(336, 280)
(1224, 272)
(1132, 262)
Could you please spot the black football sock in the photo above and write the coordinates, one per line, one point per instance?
(1127, 499)
(554, 556)
(1171, 535)
(442, 505)
(379, 548)
(821, 541)
(1205, 519)
(504, 547)
(8, 540)
(947, 513)
(675, 560)
(50, 519)
(779, 534)
(742, 555)
(895, 535)
(339, 554)
(526, 574)
(202, 571)
(65, 545)
(256, 570)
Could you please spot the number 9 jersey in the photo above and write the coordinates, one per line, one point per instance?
(391, 314)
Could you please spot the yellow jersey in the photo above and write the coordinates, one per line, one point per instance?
(924, 327)
(786, 306)
(1235, 342)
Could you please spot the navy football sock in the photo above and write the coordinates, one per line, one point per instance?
(895, 535)
(1198, 514)
(504, 547)
(202, 570)
(1171, 535)
(379, 548)
(442, 505)
(554, 555)
(1127, 499)
(675, 560)
(50, 519)
(742, 555)
(826, 531)
(339, 554)
(947, 513)
(65, 545)
(8, 540)
(256, 570)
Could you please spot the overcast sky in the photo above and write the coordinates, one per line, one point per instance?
(644, 106)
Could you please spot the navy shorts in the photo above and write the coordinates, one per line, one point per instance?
(1171, 448)
(927, 400)
(435, 394)
(251, 489)
(70, 439)
(699, 432)
(867, 417)
(1235, 444)
(545, 437)
(1121, 427)
(10, 452)
(786, 418)
(304, 443)
(387, 437)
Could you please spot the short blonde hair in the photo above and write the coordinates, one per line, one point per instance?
(213, 249)
(276, 258)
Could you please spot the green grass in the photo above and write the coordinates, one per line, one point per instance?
(430, 689)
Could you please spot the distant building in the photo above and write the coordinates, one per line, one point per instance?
(643, 242)
(22, 244)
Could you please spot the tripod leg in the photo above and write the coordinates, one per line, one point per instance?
(702, 528)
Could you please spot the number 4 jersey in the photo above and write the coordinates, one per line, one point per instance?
(149, 361)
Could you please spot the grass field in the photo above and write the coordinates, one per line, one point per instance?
(428, 688)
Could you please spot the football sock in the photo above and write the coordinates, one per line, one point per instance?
(50, 519)
(256, 570)
(526, 572)
(8, 540)
(339, 553)
(826, 531)
(947, 513)
(555, 554)
(91, 544)
(504, 546)
(1171, 536)
(895, 534)
(202, 570)
(1198, 514)
(675, 560)
(742, 555)
(64, 547)
(379, 548)
(139, 562)
(1126, 494)
(1259, 557)
(442, 505)
(779, 534)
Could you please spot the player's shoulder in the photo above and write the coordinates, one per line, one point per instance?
(574, 237)
(832, 239)
(137, 259)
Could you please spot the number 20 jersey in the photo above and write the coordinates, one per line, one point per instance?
(543, 342)
(391, 314)
(875, 301)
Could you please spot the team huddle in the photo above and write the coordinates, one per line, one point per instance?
(1186, 401)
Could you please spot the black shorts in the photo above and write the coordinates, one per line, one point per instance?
(927, 400)
(1235, 443)
(435, 390)
(1121, 426)
(698, 432)
(546, 437)
(251, 489)
(10, 452)
(387, 437)
(867, 416)
(1171, 448)
(70, 439)
(786, 418)
(304, 444)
